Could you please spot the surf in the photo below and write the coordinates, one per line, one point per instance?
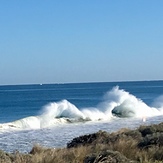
(116, 103)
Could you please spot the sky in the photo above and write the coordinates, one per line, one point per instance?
(69, 41)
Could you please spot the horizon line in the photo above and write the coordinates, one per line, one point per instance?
(120, 81)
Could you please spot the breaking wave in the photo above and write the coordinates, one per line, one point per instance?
(116, 103)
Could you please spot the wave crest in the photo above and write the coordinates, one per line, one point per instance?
(116, 102)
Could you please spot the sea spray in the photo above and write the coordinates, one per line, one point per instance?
(116, 102)
(158, 103)
(125, 104)
(62, 109)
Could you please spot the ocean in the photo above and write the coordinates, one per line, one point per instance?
(53, 114)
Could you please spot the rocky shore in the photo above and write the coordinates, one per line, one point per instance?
(144, 145)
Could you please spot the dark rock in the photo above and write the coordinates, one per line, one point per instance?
(82, 140)
(146, 130)
(152, 139)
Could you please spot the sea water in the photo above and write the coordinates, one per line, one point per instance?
(54, 114)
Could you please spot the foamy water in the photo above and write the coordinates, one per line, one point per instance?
(59, 135)
(59, 122)
(116, 103)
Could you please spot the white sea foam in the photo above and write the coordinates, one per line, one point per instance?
(124, 104)
(116, 102)
(158, 103)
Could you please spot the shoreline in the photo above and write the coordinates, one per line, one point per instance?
(144, 144)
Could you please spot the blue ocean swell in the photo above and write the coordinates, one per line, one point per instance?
(19, 101)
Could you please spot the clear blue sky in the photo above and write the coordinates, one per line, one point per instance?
(58, 41)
